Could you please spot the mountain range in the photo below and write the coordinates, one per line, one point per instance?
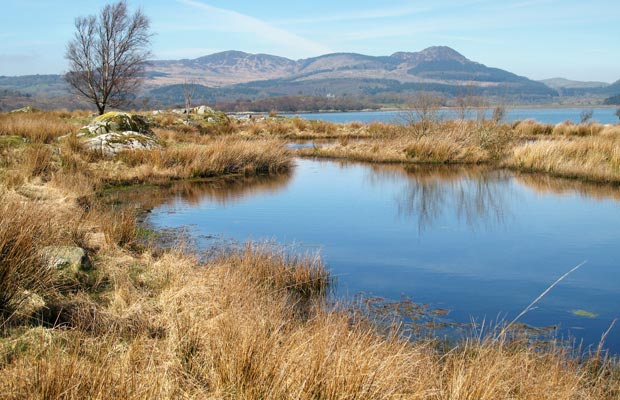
(237, 76)
(441, 69)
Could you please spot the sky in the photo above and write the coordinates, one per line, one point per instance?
(540, 39)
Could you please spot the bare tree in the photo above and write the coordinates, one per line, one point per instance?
(189, 88)
(499, 113)
(586, 116)
(618, 113)
(108, 54)
(424, 114)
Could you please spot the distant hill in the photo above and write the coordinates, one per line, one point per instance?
(615, 90)
(563, 83)
(48, 85)
(236, 75)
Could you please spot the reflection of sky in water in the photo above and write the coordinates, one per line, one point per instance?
(481, 243)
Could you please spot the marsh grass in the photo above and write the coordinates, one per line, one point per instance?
(230, 329)
(247, 323)
(39, 127)
(25, 228)
(588, 158)
(219, 157)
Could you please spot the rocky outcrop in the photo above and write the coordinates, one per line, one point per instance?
(26, 109)
(117, 122)
(114, 132)
(68, 260)
(204, 110)
(112, 143)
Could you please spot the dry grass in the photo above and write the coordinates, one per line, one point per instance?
(26, 226)
(570, 129)
(250, 323)
(228, 329)
(530, 128)
(450, 143)
(36, 127)
(589, 158)
(219, 157)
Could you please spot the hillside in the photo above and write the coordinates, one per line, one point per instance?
(230, 76)
(563, 83)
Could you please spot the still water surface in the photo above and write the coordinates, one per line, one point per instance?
(481, 243)
(543, 115)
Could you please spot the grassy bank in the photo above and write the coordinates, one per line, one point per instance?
(250, 323)
(586, 151)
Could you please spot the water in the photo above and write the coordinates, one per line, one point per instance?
(480, 243)
(543, 115)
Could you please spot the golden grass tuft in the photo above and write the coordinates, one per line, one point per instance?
(530, 128)
(589, 158)
(25, 228)
(36, 127)
(429, 150)
(219, 157)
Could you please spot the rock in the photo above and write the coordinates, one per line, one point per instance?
(204, 110)
(117, 122)
(29, 304)
(26, 109)
(113, 132)
(66, 258)
(110, 144)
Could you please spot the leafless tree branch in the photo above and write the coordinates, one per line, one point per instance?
(108, 55)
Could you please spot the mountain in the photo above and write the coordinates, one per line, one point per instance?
(50, 85)
(237, 76)
(614, 90)
(234, 75)
(563, 83)
(225, 68)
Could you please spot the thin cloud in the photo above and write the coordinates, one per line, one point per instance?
(359, 15)
(493, 18)
(234, 22)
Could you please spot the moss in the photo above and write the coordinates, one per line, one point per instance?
(11, 141)
(119, 121)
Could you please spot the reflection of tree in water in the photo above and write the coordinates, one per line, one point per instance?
(220, 190)
(475, 194)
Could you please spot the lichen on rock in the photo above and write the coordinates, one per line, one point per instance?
(114, 132)
(117, 122)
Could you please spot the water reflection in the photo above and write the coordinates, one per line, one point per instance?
(543, 184)
(222, 191)
(476, 195)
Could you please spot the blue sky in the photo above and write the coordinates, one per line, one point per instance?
(537, 38)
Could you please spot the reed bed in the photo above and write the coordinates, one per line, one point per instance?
(588, 158)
